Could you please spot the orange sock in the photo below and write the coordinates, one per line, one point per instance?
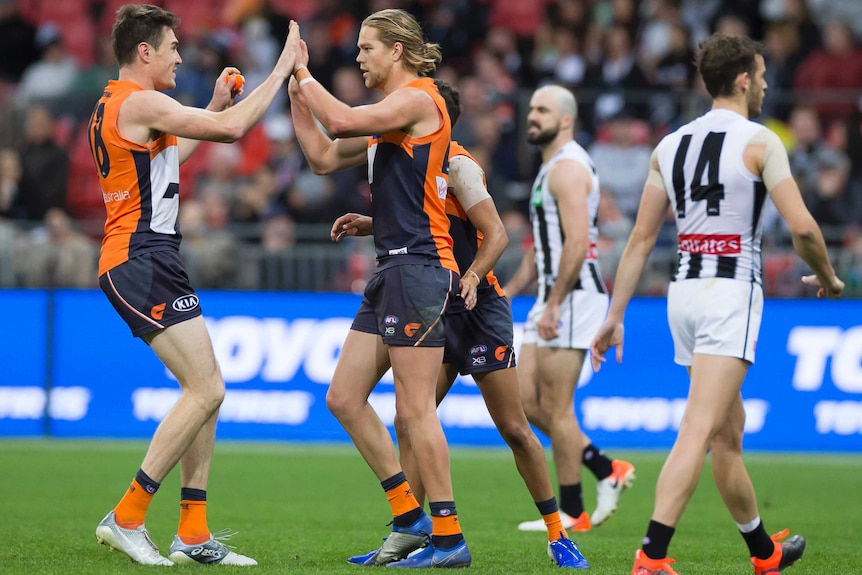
(554, 524)
(132, 508)
(401, 499)
(193, 528)
(443, 526)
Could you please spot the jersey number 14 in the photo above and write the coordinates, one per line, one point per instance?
(712, 190)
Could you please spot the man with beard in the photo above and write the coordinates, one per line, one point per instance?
(715, 173)
(570, 307)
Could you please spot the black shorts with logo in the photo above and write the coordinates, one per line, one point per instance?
(405, 305)
(151, 292)
(481, 340)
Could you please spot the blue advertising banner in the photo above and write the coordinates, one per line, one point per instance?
(23, 362)
(278, 351)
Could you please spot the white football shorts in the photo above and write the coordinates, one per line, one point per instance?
(714, 316)
(581, 315)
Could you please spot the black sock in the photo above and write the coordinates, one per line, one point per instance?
(190, 494)
(759, 543)
(596, 461)
(547, 507)
(144, 481)
(572, 500)
(657, 540)
(407, 519)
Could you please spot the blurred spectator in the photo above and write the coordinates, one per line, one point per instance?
(660, 17)
(210, 255)
(831, 77)
(222, 177)
(500, 87)
(782, 59)
(673, 78)
(310, 198)
(835, 200)
(849, 261)
(614, 229)
(623, 141)
(617, 81)
(807, 143)
(48, 79)
(277, 240)
(259, 54)
(287, 159)
(797, 12)
(563, 61)
(351, 191)
(324, 58)
(203, 60)
(10, 180)
(58, 255)
(17, 42)
(847, 11)
(522, 18)
(456, 25)
(258, 198)
(733, 24)
(44, 168)
(88, 85)
(502, 44)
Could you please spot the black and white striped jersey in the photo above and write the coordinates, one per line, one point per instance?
(717, 201)
(548, 233)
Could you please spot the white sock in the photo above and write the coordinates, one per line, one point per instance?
(750, 526)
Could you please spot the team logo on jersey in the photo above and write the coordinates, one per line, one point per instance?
(158, 311)
(186, 303)
(442, 187)
(411, 328)
(711, 244)
(478, 349)
(500, 352)
(391, 320)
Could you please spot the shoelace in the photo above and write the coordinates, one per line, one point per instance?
(225, 535)
(780, 536)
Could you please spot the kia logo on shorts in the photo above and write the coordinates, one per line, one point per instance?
(391, 319)
(185, 303)
(478, 349)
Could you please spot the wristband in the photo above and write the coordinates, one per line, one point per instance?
(307, 80)
(478, 281)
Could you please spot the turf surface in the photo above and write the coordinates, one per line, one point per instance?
(305, 508)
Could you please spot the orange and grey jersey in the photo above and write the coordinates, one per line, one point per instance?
(548, 235)
(466, 238)
(718, 202)
(409, 178)
(139, 184)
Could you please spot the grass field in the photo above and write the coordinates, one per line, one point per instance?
(304, 509)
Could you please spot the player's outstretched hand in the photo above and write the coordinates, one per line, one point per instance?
(287, 59)
(610, 334)
(351, 225)
(833, 290)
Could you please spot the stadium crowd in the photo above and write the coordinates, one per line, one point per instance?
(254, 216)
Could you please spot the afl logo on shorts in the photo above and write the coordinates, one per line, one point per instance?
(478, 349)
(391, 320)
(185, 303)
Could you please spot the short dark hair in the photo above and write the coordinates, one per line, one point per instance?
(138, 23)
(721, 58)
(452, 97)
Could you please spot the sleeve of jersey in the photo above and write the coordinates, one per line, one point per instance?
(654, 178)
(776, 165)
(467, 181)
